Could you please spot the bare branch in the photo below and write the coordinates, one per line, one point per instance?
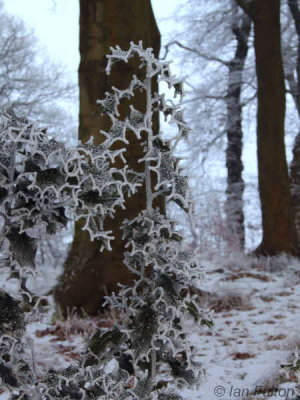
(295, 11)
(193, 50)
(247, 6)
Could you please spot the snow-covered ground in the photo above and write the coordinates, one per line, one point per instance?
(256, 328)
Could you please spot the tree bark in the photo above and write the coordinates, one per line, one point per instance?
(279, 233)
(294, 84)
(88, 274)
(235, 184)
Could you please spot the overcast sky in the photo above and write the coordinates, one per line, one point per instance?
(56, 24)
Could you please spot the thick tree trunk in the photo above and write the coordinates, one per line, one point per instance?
(294, 84)
(235, 184)
(88, 274)
(295, 183)
(279, 233)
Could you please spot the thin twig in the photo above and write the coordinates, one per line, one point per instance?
(193, 50)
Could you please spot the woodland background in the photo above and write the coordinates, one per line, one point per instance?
(241, 64)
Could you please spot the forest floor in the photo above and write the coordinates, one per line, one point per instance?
(256, 314)
(256, 329)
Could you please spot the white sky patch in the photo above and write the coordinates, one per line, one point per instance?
(56, 24)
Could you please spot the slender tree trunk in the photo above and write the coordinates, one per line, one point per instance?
(294, 84)
(235, 184)
(88, 274)
(279, 233)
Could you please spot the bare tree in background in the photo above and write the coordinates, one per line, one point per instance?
(211, 46)
(241, 25)
(279, 232)
(292, 72)
(219, 48)
(29, 82)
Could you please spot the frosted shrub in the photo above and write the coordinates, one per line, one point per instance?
(146, 355)
(44, 184)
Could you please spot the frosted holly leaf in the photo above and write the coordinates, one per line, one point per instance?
(179, 190)
(96, 176)
(121, 94)
(165, 107)
(50, 177)
(101, 341)
(181, 372)
(3, 193)
(177, 117)
(149, 237)
(13, 119)
(155, 68)
(143, 388)
(100, 187)
(136, 84)
(93, 200)
(127, 179)
(187, 265)
(136, 122)
(44, 211)
(117, 132)
(117, 55)
(144, 327)
(55, 221)
(165, 70)
(97, 153)
(47, 150)
(92, 150)
(104, 237)
(150, 155)
(137, 231)
(184, 131)
(23, 248)
(134, 261)
(190, 306)
(169, 285)
(145, 224)
(4, 163)
(94, 208)
(12, 320)
(167, 77)
(166, 169)
(109, 105)
(146, 56)
(73, 165)
(74, 383)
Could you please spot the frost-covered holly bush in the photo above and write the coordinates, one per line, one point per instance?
(147, 354)
(153, 351)
(44, 184)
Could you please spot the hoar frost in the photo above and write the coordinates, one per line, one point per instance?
(146, 355)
